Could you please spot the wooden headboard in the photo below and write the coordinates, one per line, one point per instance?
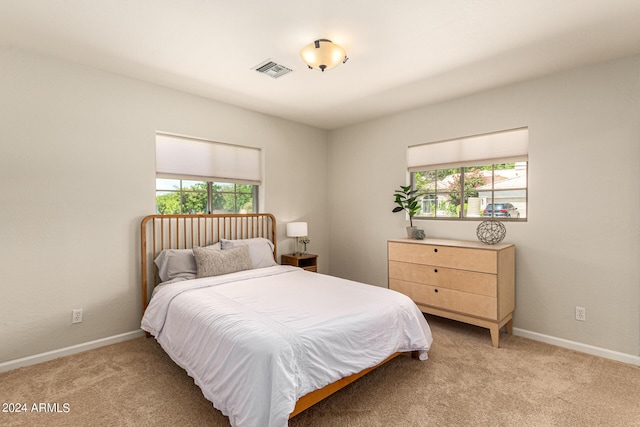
(159, 232)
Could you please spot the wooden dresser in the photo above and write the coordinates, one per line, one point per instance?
(467, 281)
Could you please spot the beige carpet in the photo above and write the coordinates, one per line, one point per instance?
(465, 382)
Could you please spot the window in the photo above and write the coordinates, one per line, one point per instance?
(197, 176)
(478, 177)
(178, 196)
(473, 191)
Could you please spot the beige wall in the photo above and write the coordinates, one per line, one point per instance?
(581, 244)
(77, 166)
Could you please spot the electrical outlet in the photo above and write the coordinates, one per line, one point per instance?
(76, 316)
(581, 314)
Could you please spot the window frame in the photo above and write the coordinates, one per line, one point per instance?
(186, 158)
(461, 216)
(209, 190)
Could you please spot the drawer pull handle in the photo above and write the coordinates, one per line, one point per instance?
(435, 250)
(435, 290)
(435, 270)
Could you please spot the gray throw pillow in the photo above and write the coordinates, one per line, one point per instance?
(214, 262)
(176, 263)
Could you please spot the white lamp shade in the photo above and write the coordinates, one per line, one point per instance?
(296, 229)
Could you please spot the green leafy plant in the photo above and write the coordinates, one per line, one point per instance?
(407, 200)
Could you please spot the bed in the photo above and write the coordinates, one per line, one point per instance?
(263, 341)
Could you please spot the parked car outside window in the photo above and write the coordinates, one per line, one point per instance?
(506, 210)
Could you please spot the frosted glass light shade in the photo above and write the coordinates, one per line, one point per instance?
(323, 54)
(297, 229)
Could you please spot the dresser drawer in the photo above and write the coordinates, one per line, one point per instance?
(479, 260)
(448, 299)
(461, 280)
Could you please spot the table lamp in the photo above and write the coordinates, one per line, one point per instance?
(297, 230)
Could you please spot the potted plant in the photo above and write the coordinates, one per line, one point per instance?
(407, 200)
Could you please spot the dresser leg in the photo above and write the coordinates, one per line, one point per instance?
(495, 335)
(509, 327)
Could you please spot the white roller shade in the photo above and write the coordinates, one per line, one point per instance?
(499, 147)
(208, 161)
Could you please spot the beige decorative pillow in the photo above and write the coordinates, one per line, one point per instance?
(214, 262)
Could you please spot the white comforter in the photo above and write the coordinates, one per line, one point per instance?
(256, 341)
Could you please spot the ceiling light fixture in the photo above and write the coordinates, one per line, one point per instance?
(323, 54)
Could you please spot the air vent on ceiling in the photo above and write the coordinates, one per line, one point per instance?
(272, 69)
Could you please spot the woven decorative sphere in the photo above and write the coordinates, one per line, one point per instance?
(491, 232)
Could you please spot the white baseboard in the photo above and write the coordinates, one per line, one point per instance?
(50, 355)
(583, 348)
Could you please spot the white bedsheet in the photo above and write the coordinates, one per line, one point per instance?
(256, 341)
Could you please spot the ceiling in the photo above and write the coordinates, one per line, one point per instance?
(402, 54)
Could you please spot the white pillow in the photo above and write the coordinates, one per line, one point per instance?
(178, 264)
(260, 250)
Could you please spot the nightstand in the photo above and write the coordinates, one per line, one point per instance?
(307, 261)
